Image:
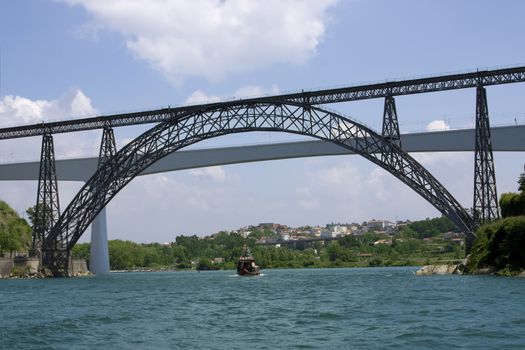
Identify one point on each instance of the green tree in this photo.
(41, 218)
(499, 245)
(15, 233)
(512, 204)
(521, 183)
(81, 251)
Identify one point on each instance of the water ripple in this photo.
(374, 308)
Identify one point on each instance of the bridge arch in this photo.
(198, 125)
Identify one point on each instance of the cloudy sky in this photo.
(76, 58)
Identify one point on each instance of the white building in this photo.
(339, 230)
(328, 234)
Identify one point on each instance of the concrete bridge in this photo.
(504, 139)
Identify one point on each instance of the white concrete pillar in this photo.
(99, 260)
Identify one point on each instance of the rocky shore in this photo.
(28, 268)
(458, 269)
(428, 270)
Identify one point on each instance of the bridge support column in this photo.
(99, 253)
(485, 208)
(47, 208)
(391, 133)
(390, 123)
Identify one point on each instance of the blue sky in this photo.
(64, 59)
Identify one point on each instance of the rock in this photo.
(439, 270)
(484, 271)
(522, 275)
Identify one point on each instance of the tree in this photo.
(44, 213)
(15, 233)
(499, 245)
(521, 182)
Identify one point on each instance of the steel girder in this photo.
(414, 86)
(485, 194)
(344, 94)
(180, 132)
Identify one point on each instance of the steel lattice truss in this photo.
(182, 131)
(345, 94)
(485, 194)
(108, 147)
(390, 123)
(47, 208)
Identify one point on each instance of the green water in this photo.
(371, 308)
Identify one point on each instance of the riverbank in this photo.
(29, 268)
(461, 269)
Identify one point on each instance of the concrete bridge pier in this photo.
(99, 260)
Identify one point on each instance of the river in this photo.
(369, 308)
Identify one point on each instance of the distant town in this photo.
(278, 234)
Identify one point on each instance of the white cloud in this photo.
(214, 173)
(200, 97)
(175, 203)
(437, 125)
(80, 104)
(344, 179)
(18, 110)
(255, 91)
(430, 159)
(306, 199)
(212, 38)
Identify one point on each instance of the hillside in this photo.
(15, 232)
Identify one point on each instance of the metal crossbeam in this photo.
(191, 128)
(345, 94)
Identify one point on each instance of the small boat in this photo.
(246, 264)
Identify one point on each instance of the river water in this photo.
(371, 308)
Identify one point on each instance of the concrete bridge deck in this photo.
(506, 138)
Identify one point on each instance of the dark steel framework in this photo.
(390, 123)
(182, 131)
(391, 130)
(485, 207)
(47, 208)
(294, 113)
(345, 94)
(108, 147)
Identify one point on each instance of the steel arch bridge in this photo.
(213, 121)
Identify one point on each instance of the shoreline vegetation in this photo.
(221, 251)
(499, 247)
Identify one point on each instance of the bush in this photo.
(500, 245)
(512, 204)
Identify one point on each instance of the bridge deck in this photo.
(508, 139)
(344, 94)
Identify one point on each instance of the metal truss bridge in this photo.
(56, 233)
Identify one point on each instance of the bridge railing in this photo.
(345, 94)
